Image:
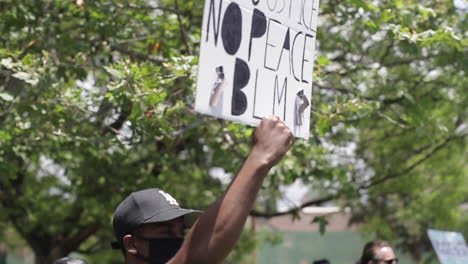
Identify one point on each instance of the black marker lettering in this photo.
(290, 6)
(276, 7)
(267, 44)
(303, 56)
(232, 28)
(292, 56)
(212, 11)
(282, 8)
(255, 98)
(300, 12)
(308, 22)
(258, 27)
(303, 14)
(278, 97)
(241, 79)
(269, 6)
(312, 15)
(286, 46)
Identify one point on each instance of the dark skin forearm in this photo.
(220, 227)
(216, 232)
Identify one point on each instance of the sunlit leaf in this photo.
(6, 97)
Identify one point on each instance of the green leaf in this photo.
(7, 63)
(323, 61)
(364, 4)
(116, 86)
(26, 77)
(22, 76)
(398, 3)
(386, 16)
(322, 221)
(4, 135)
(372, 25)
(323, 125)
(117, 74)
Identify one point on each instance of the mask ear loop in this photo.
(138, 255)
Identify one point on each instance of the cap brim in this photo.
(190, 216)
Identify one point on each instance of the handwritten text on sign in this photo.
(256, 59)
(450, 247)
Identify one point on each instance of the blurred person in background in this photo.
(321, 261)
(378, 252)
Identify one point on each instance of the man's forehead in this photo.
(385, 252)
(386, 249)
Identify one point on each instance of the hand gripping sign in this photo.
(256, 60)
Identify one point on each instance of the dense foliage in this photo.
(96, 101)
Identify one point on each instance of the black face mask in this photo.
(161, 250)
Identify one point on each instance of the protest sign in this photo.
(256, 59)
(450, 247)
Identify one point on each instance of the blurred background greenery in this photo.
(96, 101)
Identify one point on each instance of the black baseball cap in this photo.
(145, 207)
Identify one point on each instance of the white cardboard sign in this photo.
(256, 60)
(450, 247)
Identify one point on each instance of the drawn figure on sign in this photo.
(301, 105)
(217, 89)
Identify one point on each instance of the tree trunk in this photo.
(49, 254)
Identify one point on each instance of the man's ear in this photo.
(129, 245)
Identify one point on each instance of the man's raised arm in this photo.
(215, 233)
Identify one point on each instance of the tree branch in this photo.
(356, 93)
(370, 183)
(295, 209)
(96, 247)
(137, 55)
(74, 242)
(182, 28)
(146, 7)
